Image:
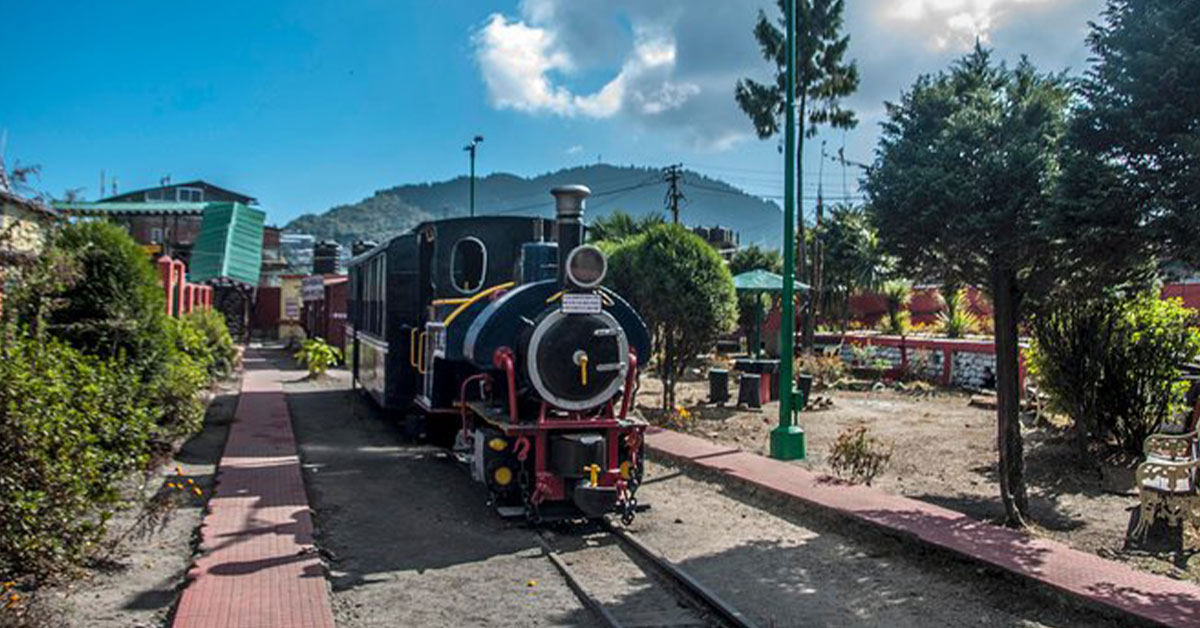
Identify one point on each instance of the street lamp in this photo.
(787, 440)
(470, 148)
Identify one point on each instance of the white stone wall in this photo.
(967, 369)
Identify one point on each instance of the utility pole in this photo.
(787, 440)
(818, 261)
(672, 175)
(470, 148)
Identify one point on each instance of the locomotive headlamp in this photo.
(503, 476)
(586, 266)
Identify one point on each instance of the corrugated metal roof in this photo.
(28, 203)
(120, 209)
(229, 245)
(762, 281)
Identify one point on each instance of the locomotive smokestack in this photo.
(568, 209)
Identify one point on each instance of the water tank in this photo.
(361, 246)
(325, 257)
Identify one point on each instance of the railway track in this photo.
(627, 584)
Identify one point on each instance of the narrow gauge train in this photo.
(499, 328)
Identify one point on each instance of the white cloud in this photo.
(954, 24)
(529, 64)
(518, 60)
(667, 68)
(575, 150)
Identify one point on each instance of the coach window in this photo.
(468, 265)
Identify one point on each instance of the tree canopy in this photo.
(620, 225)
(682, 288)
(1141, 113)
(963, 179)
(823, 75)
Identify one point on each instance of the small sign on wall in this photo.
(313, 288)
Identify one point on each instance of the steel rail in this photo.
(728, 614)
(707, 601)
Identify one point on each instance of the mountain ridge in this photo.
(636, 190)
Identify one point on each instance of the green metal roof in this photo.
(762, 281)
(229, 245)
(125, 209)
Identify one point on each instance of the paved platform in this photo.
(1104, 584)
(258, 567)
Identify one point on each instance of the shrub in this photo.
(683, 289)
(957, 320)
(221, 353)
(318, 356)
(72, 425)
(1112, 365)
(896, 295)
(826, 370)
(859, 457)
(116, 307)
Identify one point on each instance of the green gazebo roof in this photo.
(229, 245)
(759, 280)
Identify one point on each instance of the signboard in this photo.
(312, 288)
(581, 303)
(291, 310)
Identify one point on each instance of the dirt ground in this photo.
(137, 587)
(409, 541)
(945, 453)
(407, 536)
(786, 566)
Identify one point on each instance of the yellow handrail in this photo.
(424, 338)
(477, 297)
(412, 347)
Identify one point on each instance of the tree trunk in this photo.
(668, 370)
(1012, 460)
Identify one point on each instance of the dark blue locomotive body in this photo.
(499, 328)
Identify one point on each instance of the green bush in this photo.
(318, 356)
(175, 387)
(221, 354)
(683, 290)
(896, 295)
(73, 425)
(957, 320)
(859, 457)
(1112, 365)
(116, 306)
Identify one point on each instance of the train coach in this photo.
(497, 329)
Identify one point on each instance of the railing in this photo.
(182, 296)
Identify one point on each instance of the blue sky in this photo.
(310, 104)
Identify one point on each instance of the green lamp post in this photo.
(787, 440)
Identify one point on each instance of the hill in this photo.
(636, 190)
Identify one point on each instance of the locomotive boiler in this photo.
(498, 331)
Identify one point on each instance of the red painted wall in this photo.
(267, 308)
(1189, 292)
(868, 307)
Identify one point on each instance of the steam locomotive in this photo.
(499, 328)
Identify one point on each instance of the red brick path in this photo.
(258, 568)
(1103, 583)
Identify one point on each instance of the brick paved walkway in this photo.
(1101, 583)
(258, 568)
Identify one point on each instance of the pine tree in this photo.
(823, 78)
(1141, 112)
